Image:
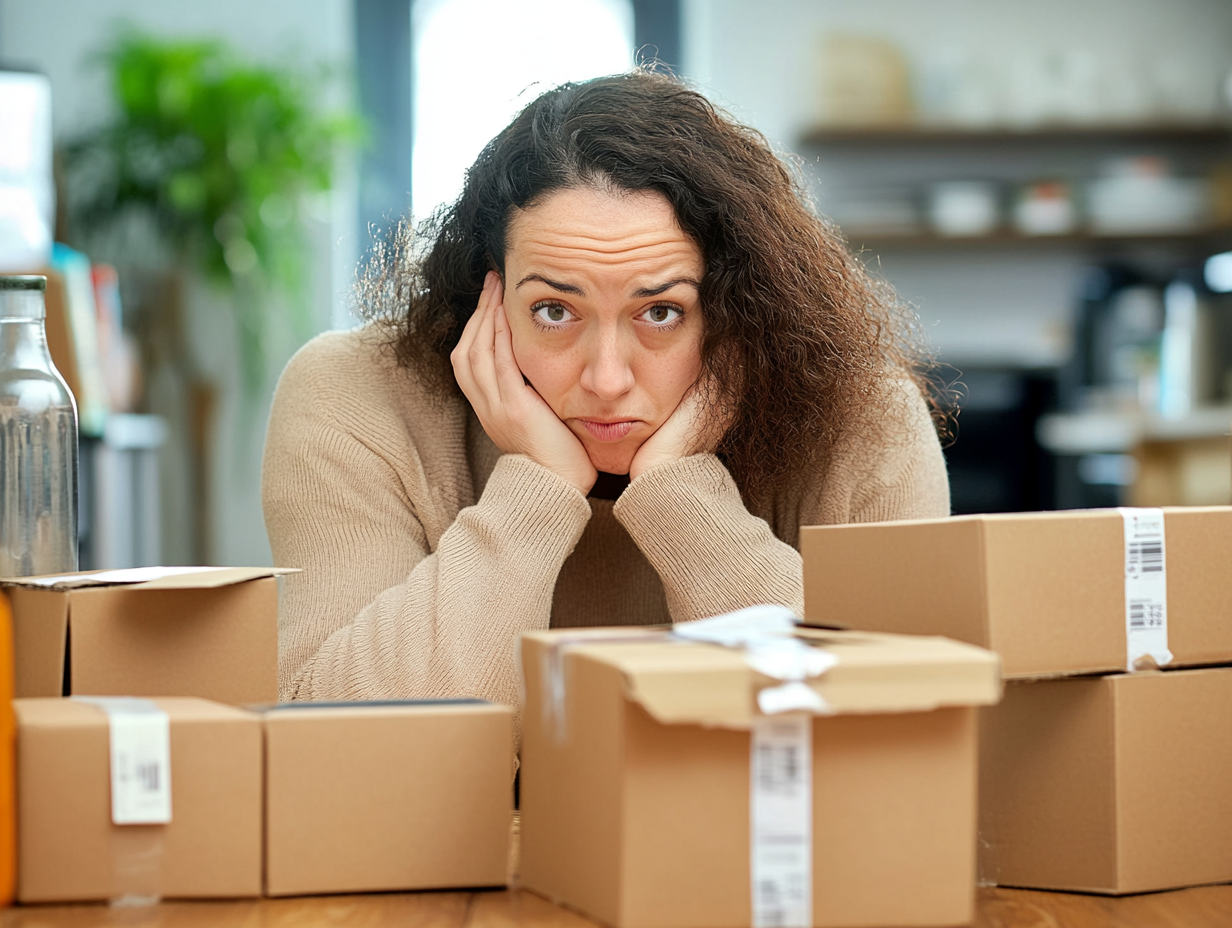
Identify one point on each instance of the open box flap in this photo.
(684, 682)
(164, 578)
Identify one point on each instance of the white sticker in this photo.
(765, 634)
(792, 697)
(120, 576)
(140, 759)
(1146, 587)
(739, 628)
(781, 813)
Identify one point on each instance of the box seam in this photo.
(1115, 797)
(622, 902)
(985, 593)
(265, 806)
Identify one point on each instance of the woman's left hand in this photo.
(695, 427)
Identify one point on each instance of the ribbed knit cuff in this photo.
(530, 510)
(711, 553)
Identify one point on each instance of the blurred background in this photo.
(1049, 186)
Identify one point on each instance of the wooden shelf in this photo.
(1103, 432)
(1052, 134)
(1214, 237)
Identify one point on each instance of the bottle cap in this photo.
(23, 282)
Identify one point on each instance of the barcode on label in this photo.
(777, 900)
(1145, 613)
(778, 768)
(1144, 556)
(149, 777)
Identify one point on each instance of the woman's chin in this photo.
(611, 459)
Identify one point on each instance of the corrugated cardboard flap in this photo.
(150, 578)
(682, 682)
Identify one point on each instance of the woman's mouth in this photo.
(614, 430)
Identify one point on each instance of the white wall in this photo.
(58, 36)
(760, 60)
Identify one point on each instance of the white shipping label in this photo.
(781, 810)
(1146, 587)
(140, 760)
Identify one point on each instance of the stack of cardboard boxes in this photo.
(152, 762)
(665, 781)
(1098, 771)
(732, 773)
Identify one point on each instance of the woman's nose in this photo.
(608, 373)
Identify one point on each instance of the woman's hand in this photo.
(695, 427)
(515, 417)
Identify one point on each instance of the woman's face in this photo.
(601, 292)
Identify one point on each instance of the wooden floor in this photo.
(1204, 907)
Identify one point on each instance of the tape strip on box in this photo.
(140, 747)
(781, 820)
(780, 757)
(1146, 588)
(554, 671)
(780, 746)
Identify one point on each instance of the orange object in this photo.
(8, 744)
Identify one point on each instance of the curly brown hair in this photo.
(797, 335)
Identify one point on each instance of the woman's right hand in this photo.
(515, 417)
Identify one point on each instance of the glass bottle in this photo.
(38, 441)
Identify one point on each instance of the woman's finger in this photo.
(482, 363)
(508, 375)
(472, 324)
(459, 355)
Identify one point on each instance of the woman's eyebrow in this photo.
(554, 284)
(664, 287)
(637, 294)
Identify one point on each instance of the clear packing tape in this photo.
(139, 733)
(554, 670)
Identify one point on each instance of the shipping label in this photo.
(140, 759)
(781, 809)
(1146, 587)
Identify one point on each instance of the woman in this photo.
(623, 370)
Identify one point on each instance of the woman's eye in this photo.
(552, 313)
(662, 315)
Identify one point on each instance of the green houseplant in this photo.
(214, 157)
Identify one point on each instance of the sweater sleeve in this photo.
(379, 611)
(714, 556)
(711, 553)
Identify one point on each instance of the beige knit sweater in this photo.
(426, 552)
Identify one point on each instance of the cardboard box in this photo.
(70, 850)
(1046, 591)
(636, 805)
(364, 797)
(1115, 784)
(211, 633)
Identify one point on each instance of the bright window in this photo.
(477, 62)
